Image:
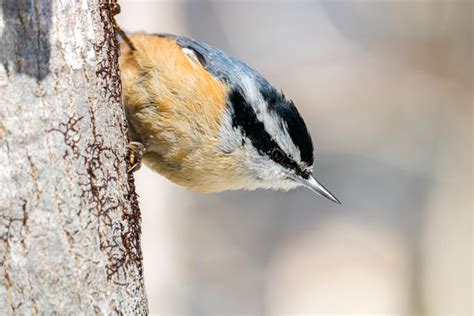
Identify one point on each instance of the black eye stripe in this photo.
(277, 154)
(297, 130)
(243, 116)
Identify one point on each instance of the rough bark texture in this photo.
(69, 219)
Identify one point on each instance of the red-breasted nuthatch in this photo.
(211, 123)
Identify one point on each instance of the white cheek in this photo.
(268, 174)
(260, 166)
(286, 185)
(262, 172)
(263, 167)
(231, 138)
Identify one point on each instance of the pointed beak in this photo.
(312, 184)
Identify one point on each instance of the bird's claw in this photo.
(135, 151)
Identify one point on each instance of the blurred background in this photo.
(386, 89)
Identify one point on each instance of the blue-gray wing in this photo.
(227, 69)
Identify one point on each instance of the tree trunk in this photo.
(69, 218)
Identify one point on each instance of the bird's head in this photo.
(271, 137)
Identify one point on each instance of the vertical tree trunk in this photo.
(69, 219)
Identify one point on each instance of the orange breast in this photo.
(164, 75)
(175, 107)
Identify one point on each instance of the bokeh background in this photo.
(386, 89)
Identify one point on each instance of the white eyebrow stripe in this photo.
(274, 125)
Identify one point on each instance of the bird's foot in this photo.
(135, 151)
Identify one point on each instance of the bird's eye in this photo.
(277, 155)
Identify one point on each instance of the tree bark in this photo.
(69, 218)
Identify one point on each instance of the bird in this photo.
(209, 122)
